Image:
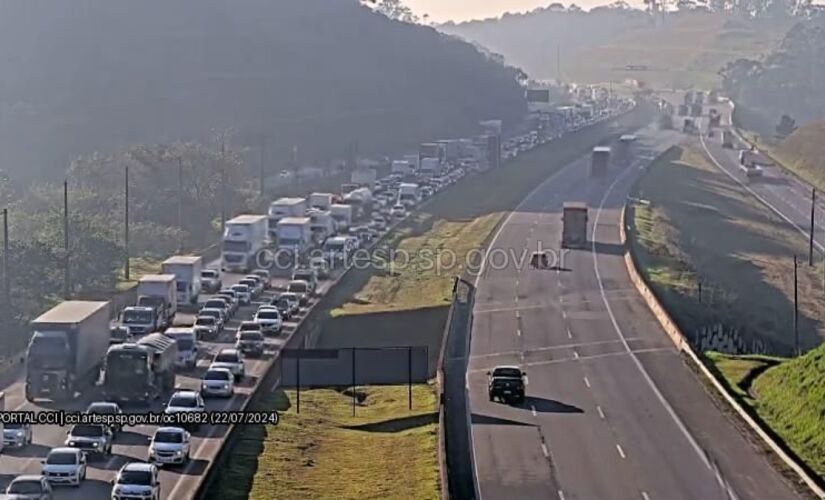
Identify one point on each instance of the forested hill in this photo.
(89, 75)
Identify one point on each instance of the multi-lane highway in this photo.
(132, 443)
(611, 410)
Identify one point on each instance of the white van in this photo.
(187, 342)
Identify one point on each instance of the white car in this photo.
(250, 342)
(379, 222)
(232, 360)
(94, 438)
(244, 293)
(17, 435)
(398, 211)
(136, 480)
(218, 381)
(29, 487)
(270, 320)
(169, 445)
(321, 267)
(185, 401)
(64, 466)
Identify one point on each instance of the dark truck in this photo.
(142, 371)
(66, 350)
(507, 384)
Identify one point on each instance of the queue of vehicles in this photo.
(74, 346)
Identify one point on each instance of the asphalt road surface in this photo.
(612, 412)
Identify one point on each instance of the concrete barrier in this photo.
(681, 343)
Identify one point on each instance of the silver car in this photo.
(64, 466)
(170, 445)
(218, 381)
(17, 435)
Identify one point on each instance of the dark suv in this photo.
(507, 384)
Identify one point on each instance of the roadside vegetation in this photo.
(384, 451)
(699, 226)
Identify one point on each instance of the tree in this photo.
(786, 127)
(394, 9)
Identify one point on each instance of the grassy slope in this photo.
(802, 153)
(459, 220)
(688, 50)
(700, 225)
(385, 451)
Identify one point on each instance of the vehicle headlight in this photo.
(178, 453)
(94, 445)
(19, 434)
(226, 385)
(72, 443)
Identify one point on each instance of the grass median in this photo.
(384, 451)
(699, 226)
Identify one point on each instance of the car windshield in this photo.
(269, 315)
(250, 326)
(217, 375)
(226, 357)
(215, 304)
(211, 312)
(209, 274)
(205, 321)
(251, 336)
(183, 401)
(507, 372)
(241, 288)
(14, 425)
(184, 343)
(61, 458)
(137, 477)
(133, 316)
(83, 430)
(168, 437)
(26, 487)
(249, 283)
(298, 287)
(289, 297)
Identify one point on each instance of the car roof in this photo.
(28, 477)
(507, 367)
(218, 368)
(138, 467)
(66, 449)
(185, 392)
(170, 429)
(102, 403)
(239, 285)
(228, 351)
(210, 309)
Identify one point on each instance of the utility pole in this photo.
(811, 238)
(126, 266)
(67, 284)
(795, 309)
(558, 63)
(180, 203)
(223, 184)
(6, 268)
(263, 157)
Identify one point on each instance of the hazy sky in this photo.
(461, 10)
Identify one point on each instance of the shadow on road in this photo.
(543, 405)
(609, 248)
(129, 438)
(31, 451)
(397, 424)
(490, 420)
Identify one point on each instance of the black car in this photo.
(506, 383)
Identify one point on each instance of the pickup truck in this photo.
(506, 383)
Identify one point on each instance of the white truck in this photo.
(364, 177)
(295, 234)
(285, 207)
(412, 160)
(360, 200)
(323, 225)
(321, 201)
(159, 291)
(342, 215)
(243, 237)
(430, 167)
(187, 271)
(408, 194)
(401, 167)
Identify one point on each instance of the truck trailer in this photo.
(284, 207)
(321, 201)
(600, 161)
(574, 225)
(322, 226)
(408, 194)
(159, 291)
(243, 237)
(295, 234)
(187, 271)
(364, 177)
(66, 350)
(141, 371)
(342, 215)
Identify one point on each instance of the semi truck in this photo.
(159, 291)
(284, 207)
(401, 167)
(141, 371)
(342, 215)
(408, 194)
(574, 225)
(599, 161)
(67, 349)
(187, 271)
(322, 225)
(431, 150)
(360, 200)
(243, 237)
(295, 234)
(430, 167)
(321, 201)
(364, 177)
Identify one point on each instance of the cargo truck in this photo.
(599, 161)
(141, 320)
(322, 226)
(413, 160)
(159, 291)
(574, 225)
(284, 207)
(243, 238)
(364, 177)
(430, 167)
(295, 234)
(683, 110)
(401, 167)
(360, 200)
(187, 271)
(431, 150)
(321, 201)
(408, 194)
(141, 371)
(342, 215)
(67, 349)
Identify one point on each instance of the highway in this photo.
(612, 411)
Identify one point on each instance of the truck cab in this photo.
(140, 320)
(507, 384)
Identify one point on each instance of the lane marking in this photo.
(518, 314)
(586, 382)
(561, 495)
(533, 409)
(576, 354)
(620, 450)
(601, 412)
(582, 358)
(685, 432)
(569, 333)
(645, 496)
(518, 332)
(544, 450)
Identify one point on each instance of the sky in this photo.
(462, 10)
